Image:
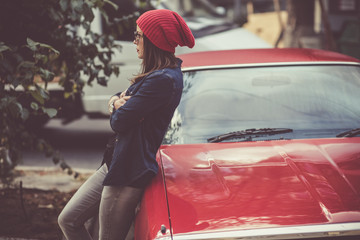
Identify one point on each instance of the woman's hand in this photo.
(123, 94)
(121, 101)
(111, 103)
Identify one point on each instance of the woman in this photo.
(139, 117)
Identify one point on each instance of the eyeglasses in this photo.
(137, 36)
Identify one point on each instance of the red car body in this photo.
(259, 189)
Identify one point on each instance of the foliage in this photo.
(39, 46)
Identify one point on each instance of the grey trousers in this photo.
(115, 205)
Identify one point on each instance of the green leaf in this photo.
(64, 166)
(107, 70)
(16, 82)
(102, 42)
(55, 14)
(15, 109)
(41, 57)
(56, 160)
(86, 26)
(31, 44)
(116, 70)
(34, 46)
(3, 47)
(29, 75)
(57, 157)
(34, 106)
(26, 64)
(51, 112)
(37, 96)
(76, 5)
(50, 48)
(105, 16)
(5, 101)
(112, 4)
(67, 95)
(46, 75)
(24, 114)
(102, 81)
(64, 4)
(88, 13)
(44, 94)
(98, 3)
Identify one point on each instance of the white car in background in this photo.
(211, 33)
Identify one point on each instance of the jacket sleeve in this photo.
(155, 92)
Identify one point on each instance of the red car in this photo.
(265, 144)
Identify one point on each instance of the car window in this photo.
(315, 101)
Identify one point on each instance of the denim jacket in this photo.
(140, 125)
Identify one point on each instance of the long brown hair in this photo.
(154, 58)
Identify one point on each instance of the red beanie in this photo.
(165, 29)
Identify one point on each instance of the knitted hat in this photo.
(165, 29)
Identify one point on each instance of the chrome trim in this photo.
(186, 69)
(296, 232)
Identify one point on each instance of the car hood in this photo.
(252, 185)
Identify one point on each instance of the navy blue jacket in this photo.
(140, 125)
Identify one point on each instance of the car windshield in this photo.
(314, 101)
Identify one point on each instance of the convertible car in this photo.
(265, 144)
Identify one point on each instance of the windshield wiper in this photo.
(350, 133)
(249, 134)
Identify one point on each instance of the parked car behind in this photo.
(264, 145)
